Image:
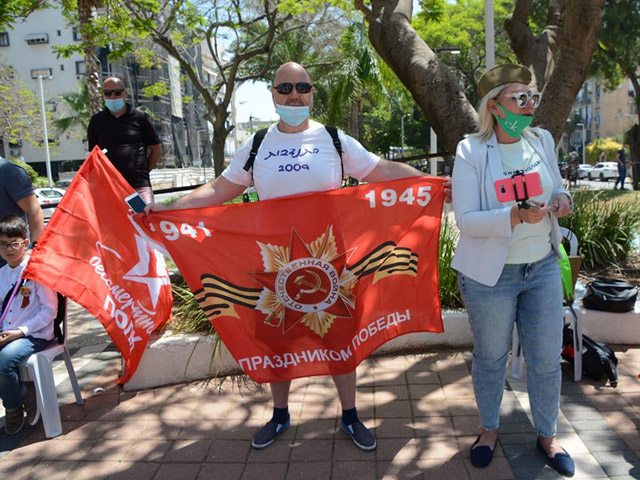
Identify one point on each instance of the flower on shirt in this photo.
(25, 292)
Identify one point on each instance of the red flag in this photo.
(311, 285)
(93, 252)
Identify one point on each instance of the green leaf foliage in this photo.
(618, 43)
(606, 223)
(75, 111)
(461, 25)
(20, 113)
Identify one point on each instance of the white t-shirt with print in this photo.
(293, 163)
(529, 242)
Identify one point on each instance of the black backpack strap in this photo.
(255, 146)
(333, 131)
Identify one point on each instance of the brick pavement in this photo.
(421, 407)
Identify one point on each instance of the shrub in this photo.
(605, 223)
(609, 146)
(187, 316)
(449, 294)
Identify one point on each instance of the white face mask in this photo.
(291, 115)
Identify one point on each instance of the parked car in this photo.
(47, 196)
(603, 171)
(63, 183)
(584, 169)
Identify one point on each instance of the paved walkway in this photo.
(421, 407)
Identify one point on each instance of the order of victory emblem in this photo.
(309, 284)
(305, 283)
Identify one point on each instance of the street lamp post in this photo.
(489, 42)
(583, 155)
(44, 129)
(433, 148)
(433, 141)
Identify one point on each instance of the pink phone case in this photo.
(510, 189)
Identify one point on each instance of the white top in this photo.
(36, 318)
(293, 163)
(484, 222)
(529, 242)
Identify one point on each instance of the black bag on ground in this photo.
(610, 295)
(598, 359)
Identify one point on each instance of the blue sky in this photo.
(254, 98)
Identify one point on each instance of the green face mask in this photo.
(513, 124)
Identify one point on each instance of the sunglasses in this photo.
(522, 98)
(12, 245)
(115, 93)
(287, 88)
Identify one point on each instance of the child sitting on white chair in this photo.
(26, 323)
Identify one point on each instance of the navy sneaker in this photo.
(13, 420)
(267, 434)
(561, 462)
(361, 435)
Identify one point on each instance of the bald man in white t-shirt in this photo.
(297, 156)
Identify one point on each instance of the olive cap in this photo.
(501, 75)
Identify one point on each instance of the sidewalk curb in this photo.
(171, 359)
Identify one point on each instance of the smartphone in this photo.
(136, 202)
(518, 188)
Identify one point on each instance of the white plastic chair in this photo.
(38, 369)
(571, 315)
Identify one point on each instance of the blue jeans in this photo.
(622, 175)
(531, 295)
(11, 391)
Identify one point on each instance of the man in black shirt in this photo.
(126, 133)
(621, 158)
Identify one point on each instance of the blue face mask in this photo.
(114, 104)
(291, 115)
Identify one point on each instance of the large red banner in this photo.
(95, 253)
(311, 285)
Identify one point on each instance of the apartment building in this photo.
(600, 114)
(185, 135)
(28, 47)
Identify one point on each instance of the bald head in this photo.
(112, 82)
(291, 70)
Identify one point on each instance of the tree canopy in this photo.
(20, 113)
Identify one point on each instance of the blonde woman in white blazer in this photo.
(506, 257)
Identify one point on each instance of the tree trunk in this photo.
(437, 92)
(430, 82)
(575, 30)
(220, 133)
(92, 69)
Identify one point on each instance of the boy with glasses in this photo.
(26, 323)
(128, 135)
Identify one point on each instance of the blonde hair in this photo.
(486, 122)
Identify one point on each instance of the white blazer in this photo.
(484, 222)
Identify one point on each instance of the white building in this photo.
(28, 47)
